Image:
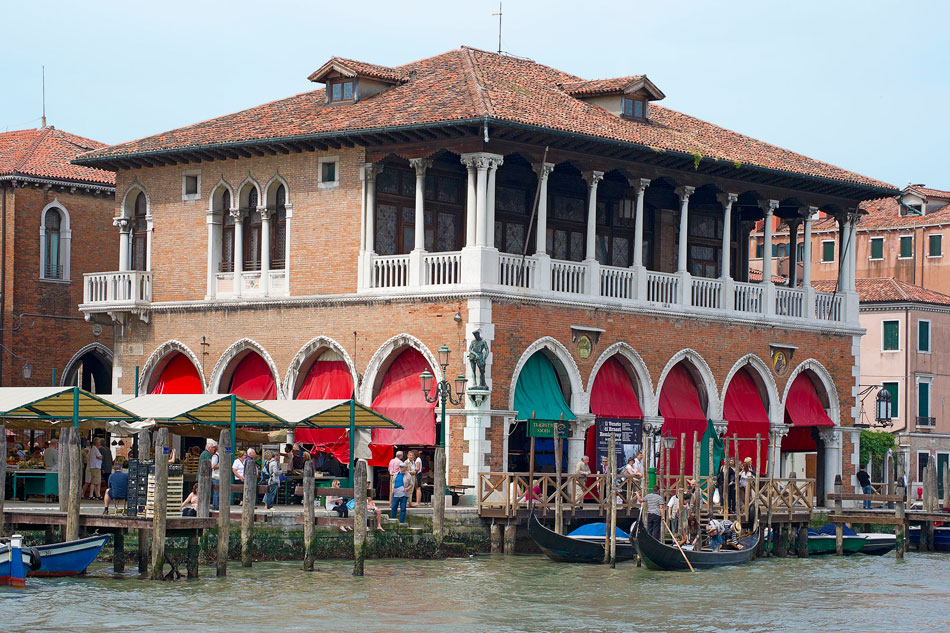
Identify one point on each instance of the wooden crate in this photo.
(173, 500)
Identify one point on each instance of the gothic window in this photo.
(278, 229)
(252, 233)
(53, 251)
(138, 235)
(444, 215)
(227, 233)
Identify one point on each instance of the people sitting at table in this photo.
(189, 507)
(118, 486)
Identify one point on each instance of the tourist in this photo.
(690, 536)
(206, 453)
(720, 530)
(534, 494)
(372, 509)
(638, 465)
(415, 469)
(338, 504)
(402, 490)
(864, 480)
(298, 457)
(746, 480)
(603, 466)
(212, 450)
(93, 484)
(118, 486)
(272, 472)
(393, 469)
(51, 455)
(673, 510)
(731, 483)
(629, 471)
(655, 515)
(192, 460)
(191, 501)
(581, 472)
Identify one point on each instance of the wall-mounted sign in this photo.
(629, 442)
(781, 357)
(547, 428)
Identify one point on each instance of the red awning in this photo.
(682, 413)
(799, 440)
(803, 406)
(400, 398)
(252, 379)
(745, 412)
(612, 395)
(179, 376)
(327, 379)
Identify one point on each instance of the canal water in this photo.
(495, 593)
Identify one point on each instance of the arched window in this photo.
(53, 255)
(138, 236)
(252, 233)
(278, 230)
(227, 233)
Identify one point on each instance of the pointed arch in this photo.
(555, 350)
(306, 356)
(214, 206)
(762, 375)
(644, 383)
(157, 360)
(226, 365)
(97, 375)
(706, 383)
(383, 357)
(244, 189)
(127, 209)
(815, 370)
(270, 189)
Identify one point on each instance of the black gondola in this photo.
(657, 555)
(568, 549)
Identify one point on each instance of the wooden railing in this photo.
(509, 492)
(786, 496)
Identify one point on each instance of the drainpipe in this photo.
(3, 267)
(906, 371)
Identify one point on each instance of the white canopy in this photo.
(47, 404)
(327, 414)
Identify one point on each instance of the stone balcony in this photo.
(115, 293)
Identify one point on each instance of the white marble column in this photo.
(592, 178)
(123, 224)
(852, 254)
(288, 219)
(682, 252)
(727, 200)
(470, 200)
(420, 165)
(641, 186)
(543, 170)
(238, 276)
(214, 220)
(493, 164)
(370, 171)
(481, 201)
(769, 207)
(265, 249)
(806, 250)
(776, 433)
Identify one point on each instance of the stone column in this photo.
(214, 222)
(768, 206)
(265, 249)
(470, 200)
(852, 254)
(793, 253)
(238, 216)
(806, 253)
(123, 224)
(641, 186)
(288, 218)
(543, 170)
(592, 178)
(420, 165)
(727, 200)
(493, 164)
(149, 229)
(481, 200)
(831, 438)
(682, 252)
(370, 171)
(776, 433)
(576, 442)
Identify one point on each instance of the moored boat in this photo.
(941, 537)
(16, 561)
(657, 555)
(878, 544)
(583, 545)
(69, 558)
(820, 542)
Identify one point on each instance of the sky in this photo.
(864, 85)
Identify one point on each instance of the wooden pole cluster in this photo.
(511, 538)
(359, 523)
(610, 542)
(438, 499)
(496, 538)
(682, 482)
(308, 518)
(725, 480)
(710, 479)
(144, 452)
(204, 489)
(558, 516)
(159, 504)
(118, 551)
(75, 486)
(224, 502)
(3, 471)
(839, 527)
(247, 514)
(62, 467)
(946, 484)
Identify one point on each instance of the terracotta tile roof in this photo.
(756, 275)
(469, 84)
(880, 214)
(588, 88)
(46, 153)
(353, 68)
(930, 192)
(887, 290)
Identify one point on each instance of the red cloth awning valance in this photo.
(682, 413)
(803, 406)
(400, 398)
(252, 379)
(327, 380)
(799, 440)
(745, 412)
(613, 395)
(179, 376)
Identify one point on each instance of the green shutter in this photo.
(923, 336)
(827, 251)
(923, 399)
(907, 246)
(936, 246)
(891, 335)
(891, 388)
(758, 251)
(877, 248)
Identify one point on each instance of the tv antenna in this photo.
(499, 27)
(44, 97)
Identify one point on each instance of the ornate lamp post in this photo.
(882, 408)
(443, 392)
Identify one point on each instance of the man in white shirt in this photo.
(51, 455)
(212, 448)
(394, 465)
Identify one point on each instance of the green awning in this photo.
(718, 451)
(538, 393)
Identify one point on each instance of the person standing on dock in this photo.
(211, 448)
(393, 469)
(272, 471)
(51, 455)
(864, 480)
(655, 511)
(402, 489)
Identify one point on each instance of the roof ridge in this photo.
(28, 153)
(899, 288)
(478, 89)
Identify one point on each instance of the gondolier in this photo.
(655, 511)
(719, 530)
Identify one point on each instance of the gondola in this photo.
(662, 557)
(576, 549)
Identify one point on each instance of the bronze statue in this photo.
(477, 356)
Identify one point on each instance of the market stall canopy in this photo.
(42, 408)
(327, 414)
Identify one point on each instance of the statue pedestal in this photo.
(478, 395)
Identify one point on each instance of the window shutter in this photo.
(891, 388)
(877, 248)
(891, 335)
(923, 336)
(923, 399)
(907, 246)
(936, 246)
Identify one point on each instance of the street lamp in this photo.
(443, 391)
(882, 407)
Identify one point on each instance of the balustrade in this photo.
(442, 268)
(117, 288)
(568, 277)
(748, 298)
(707, 293)
(391, 271)
(517, 271)
(789, 302)
(662, 287)
(617, 283)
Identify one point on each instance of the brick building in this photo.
(56, 226)
(331, 242)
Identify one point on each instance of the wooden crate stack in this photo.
(173, 501)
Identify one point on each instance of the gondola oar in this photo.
(677, 543)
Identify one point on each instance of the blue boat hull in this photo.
(70, 558)
(941, 538)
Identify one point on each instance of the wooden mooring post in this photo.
(558, 510)
(780, 541)
(308, 519)
(224, 502)
(247, 514)
(438, 499)
(75, 486)
(511, 537)
(359, 522)
(144, 452)
(610, 491)
(839, 527)
(118, 551)
(159, 504)
(496, 538)
(62, 468)
(801, 543)
(204, 489)
(900, 530)
(945, 476)
(3, 471)
(191, 554)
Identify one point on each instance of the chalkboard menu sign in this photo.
(629, 434)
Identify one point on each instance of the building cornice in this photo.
(19, 180)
